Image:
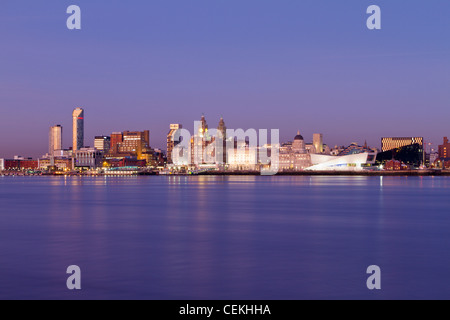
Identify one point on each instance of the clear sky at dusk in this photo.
(308, 65)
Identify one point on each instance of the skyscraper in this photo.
(55, 139)
(78, 129)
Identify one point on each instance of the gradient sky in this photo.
(308, 65)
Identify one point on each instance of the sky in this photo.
(308, 65)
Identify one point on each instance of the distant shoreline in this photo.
(341, 173)
(403, 173)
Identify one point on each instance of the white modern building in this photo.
(352, 162)
(2, 164)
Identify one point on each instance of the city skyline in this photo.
(312, 67)
(77, 137)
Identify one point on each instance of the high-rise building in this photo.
(396, 142)
(55, 139)
(170, 142)
(444, 149)
(318, 142)
(102, 143)
(78, 129)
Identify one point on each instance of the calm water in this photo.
(224, 237)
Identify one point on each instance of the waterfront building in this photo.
(170, 142)
(131, 144)
(354, 148)
(199, 142)
(412, 155)
(78, 129)
(398, 142)
(89, 158)
(242, 157)
(102, 143)
(61, 164)
(395, 165)
(125, 162)
(295, 156)
(20, 164)
(55, 139)
(351, 158)
(2, 164)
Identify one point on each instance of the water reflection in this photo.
(224, 237)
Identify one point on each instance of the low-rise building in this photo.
(21, 164)
(60, 164)
(243, 157)
(89, 158)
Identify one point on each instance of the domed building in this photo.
(294, 156)
(298, 145)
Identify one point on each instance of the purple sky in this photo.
(295, 65)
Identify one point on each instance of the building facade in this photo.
(243, 157)
(59, 164)
(170, 141)
(55, 139)
(318, 143)
(131, 144)
(444, 149)
(102, 143)
(294, 156)
(78, 129)
(398, 142)
(88, 158)
(21, 164)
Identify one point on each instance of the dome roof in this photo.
(298, 136)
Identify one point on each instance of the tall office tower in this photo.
(78, 129)
(102, 143)
(170, 143)
(318, 142)
(55, 139)
(395, 142)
